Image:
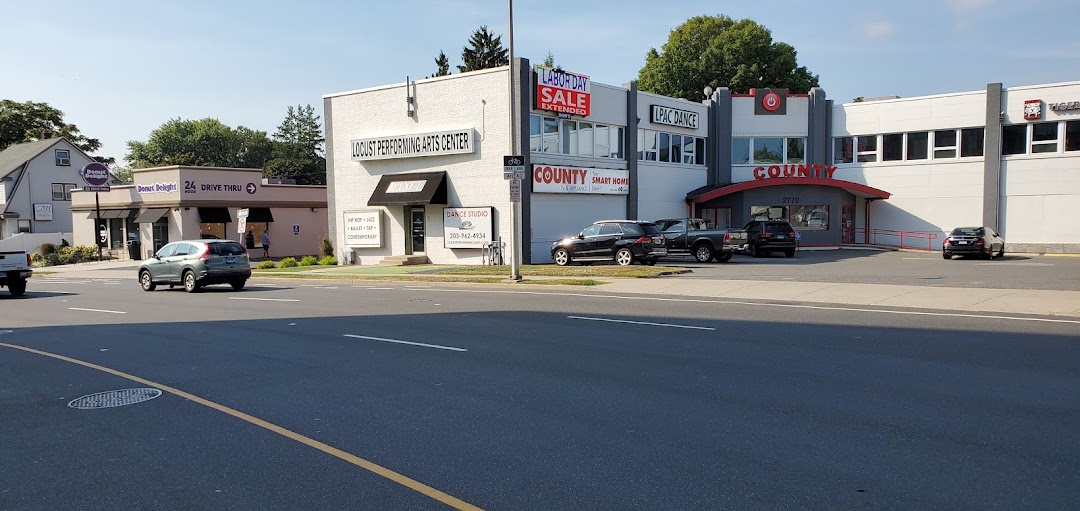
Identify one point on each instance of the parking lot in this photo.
(857, 266)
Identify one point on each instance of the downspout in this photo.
(866, 229)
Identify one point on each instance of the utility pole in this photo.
(515, 206)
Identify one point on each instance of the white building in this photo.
(36, 180)
(404, 160)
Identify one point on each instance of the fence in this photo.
(914, 240)
(30, 242)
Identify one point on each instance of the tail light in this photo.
(206, 252)
(792, 234)
(767, 233)
(29, 260)
(643, 240)
(727, 237)
(980, 241)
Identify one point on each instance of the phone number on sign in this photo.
(468, 236)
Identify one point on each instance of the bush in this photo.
(308, 261)
(37, 258)
(265, 265)
(86, 253)
(47, 248)
(288, 262)
(66, 255)
(328, 261)
(326, 248)
(52, 259)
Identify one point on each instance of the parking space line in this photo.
(410, 343)
(95, 310)
(375, 468)
(263, 299)
(646, 323)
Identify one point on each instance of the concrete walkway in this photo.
(976, 300)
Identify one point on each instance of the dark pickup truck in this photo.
(690, 236)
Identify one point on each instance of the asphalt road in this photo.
(850, 266)
(527, 400)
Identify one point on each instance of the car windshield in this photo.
(226, 249)
(966, 231)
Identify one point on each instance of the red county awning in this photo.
(859, 190)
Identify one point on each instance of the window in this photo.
(1044, 137)
(867, 148)
(918, 145)
(740, 151)
(1014, 139)
(971, 142)
(617, 148)
(688, 147)
(699, 149)
(768, 212)
(768, 150)
(716, 218)
(843, 150)
(569, 137)
(551, 135)
(591, 230)
(650, 145)
(609, 229)
(945, 144)
(892, 147)
(585, 139)
(62, 191)
(809, 218)
(603, 141)
(24, 225)
(1072, 136)
(796, 150)
(166, 251)
(676, 148)
(536, 134)
(63, 158)
(665, 147)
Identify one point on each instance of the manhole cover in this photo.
(113, 398)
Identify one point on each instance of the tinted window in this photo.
(971, 142)
(226, 249)
(778, 226)
(917, 145)
(1072, 136)
(591, 230)
(966, 231)
(892, 147)
(673, 226)
(1014, 139)
(649, 229)
(609, 229)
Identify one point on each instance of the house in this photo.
(36, 180)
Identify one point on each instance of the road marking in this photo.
(96, 310)
(918, 259)
(780, 305)
(1011, 263)
(417, 287)
(406, 342)
(642, 323)
(310, 442)
(264, 299)
(379, 288)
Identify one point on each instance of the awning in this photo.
(214, 216)
(259, 215)
(111, 213)
(149, 216)
(707, 193)
(409, 189)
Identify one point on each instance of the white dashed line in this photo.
(395, 341)
(264, 299)
(647, 323)
(96, 310)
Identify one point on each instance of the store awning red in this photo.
(859, 190)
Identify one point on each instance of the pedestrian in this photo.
(266, 243)
(250, 241)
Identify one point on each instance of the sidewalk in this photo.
(978, 300)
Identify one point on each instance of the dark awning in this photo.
(149, 216)
(259, 215)
(111, 213)
(408, 189)
(214, 216)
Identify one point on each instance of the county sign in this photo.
(96, 176)
(563, 92)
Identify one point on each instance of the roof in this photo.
(17, 154)
(707, 193)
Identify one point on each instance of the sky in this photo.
(119, 69)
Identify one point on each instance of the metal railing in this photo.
(913, 240)
(493, 253)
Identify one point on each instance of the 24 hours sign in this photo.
(467, 227)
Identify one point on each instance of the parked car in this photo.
(980, 241)
(767, 236)
(195, 264)
(15, 269)
(691, 236)
(622, 241)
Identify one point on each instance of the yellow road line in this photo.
(410, 483)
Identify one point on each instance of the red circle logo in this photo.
(771, 101)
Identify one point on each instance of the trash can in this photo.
(134, 250)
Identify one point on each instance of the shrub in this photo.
(328, 261)
(52, 259)
(288, 262)
(326, 248)
(86, 253)
(37, 258)
(308, 261)
(265, 265)
(66, 255)
(47, 248)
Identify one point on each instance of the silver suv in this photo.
(196, 263)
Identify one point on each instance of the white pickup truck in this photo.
(14, 271)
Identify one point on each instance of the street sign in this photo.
(242, 213)
(515, 190)
(514, 175)
(241, 223)
(96, 176)
(514, 163)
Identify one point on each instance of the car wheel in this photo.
(562, 257)
(17, 287)
(190, 285)
(238, 284)
(755, 251)
(946, 255)
(146, 281)
(703, 253)
(723, 257)
(1001, 253)
(789, 253)
(989, 254)
(624, 257)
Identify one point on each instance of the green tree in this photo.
(443, 63)
(716, 51)
(549, 61)
(203, 142)
(122, 174)
(30, 121)
(485, 51)
(298, 148)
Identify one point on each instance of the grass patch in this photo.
(548, 270)
(393, 270)
(39, 272)
(565, 282)
(398, 278)
(292, 269)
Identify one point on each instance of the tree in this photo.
(443, 63)
(122, 174)
(716, 51)
(30, 121)
(298, 148)
(485, 51)
(204, 142)
(549, 61)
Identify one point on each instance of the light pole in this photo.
(515, 206)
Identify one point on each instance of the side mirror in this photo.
(580, 236)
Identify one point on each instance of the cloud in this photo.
(966, 10)
(879, 29)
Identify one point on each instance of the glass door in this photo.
(416, 229)
(847, 219)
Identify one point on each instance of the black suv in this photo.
(622, 241)
(767, 236)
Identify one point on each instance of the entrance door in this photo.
(847, 221)
(160, 233)
(416, 230)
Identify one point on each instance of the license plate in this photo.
(961, 243)
(779, 237)
(230, 260)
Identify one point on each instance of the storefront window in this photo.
(665, 147)
(843, 150)
(569, 137)
(585, 139)
(768, 212)
(602, 141)
(796, 150)
(1044, 137)
(1072, 136)
(918, 145)
(867, 148)
(768, 150)
(212, 231)
(536, 133)
(971, 142)
(650, 145)
(116, 233)
(551, 135)
(809, 218)
(740, 151)
(1014, 139)
(617, 141)
(676, 149)
(716, 218)
(892, 147)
